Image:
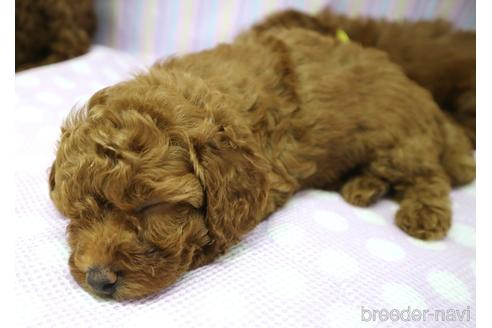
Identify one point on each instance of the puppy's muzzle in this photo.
(102, 280)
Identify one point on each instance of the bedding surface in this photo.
(318, 262)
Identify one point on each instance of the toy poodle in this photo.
(163, 173)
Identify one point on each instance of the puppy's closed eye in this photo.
(148, 206)
(158, 206)
(102, 202)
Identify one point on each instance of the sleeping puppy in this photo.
(163, 173)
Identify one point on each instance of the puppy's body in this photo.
(434, 54)
(164, 172)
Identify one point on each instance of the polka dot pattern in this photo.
(287, 235)
(27, 81)
(463, 234)
(330, 221)
(285, 282)
(81, 67)
(63, 83)
(313, 263)
(447, 285)
(344, 315)
(400, 296)
(369, 216)
(384, 249)
(29, 114)
(338, 264)
(433, 245)
(48, 98)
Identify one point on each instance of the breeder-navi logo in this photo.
(409, 314)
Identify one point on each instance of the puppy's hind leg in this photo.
(457, 157)
(363, 189)
(416, 175)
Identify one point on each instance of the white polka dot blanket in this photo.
(318, 262)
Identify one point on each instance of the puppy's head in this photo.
(125, 179)
(147, 180)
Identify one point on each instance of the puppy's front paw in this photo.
(423, 221)
(363, 190)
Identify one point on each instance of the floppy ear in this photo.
(234, 176)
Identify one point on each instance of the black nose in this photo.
(102, 280)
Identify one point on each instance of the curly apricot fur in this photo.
(163, 173)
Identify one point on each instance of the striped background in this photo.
(158, 28)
